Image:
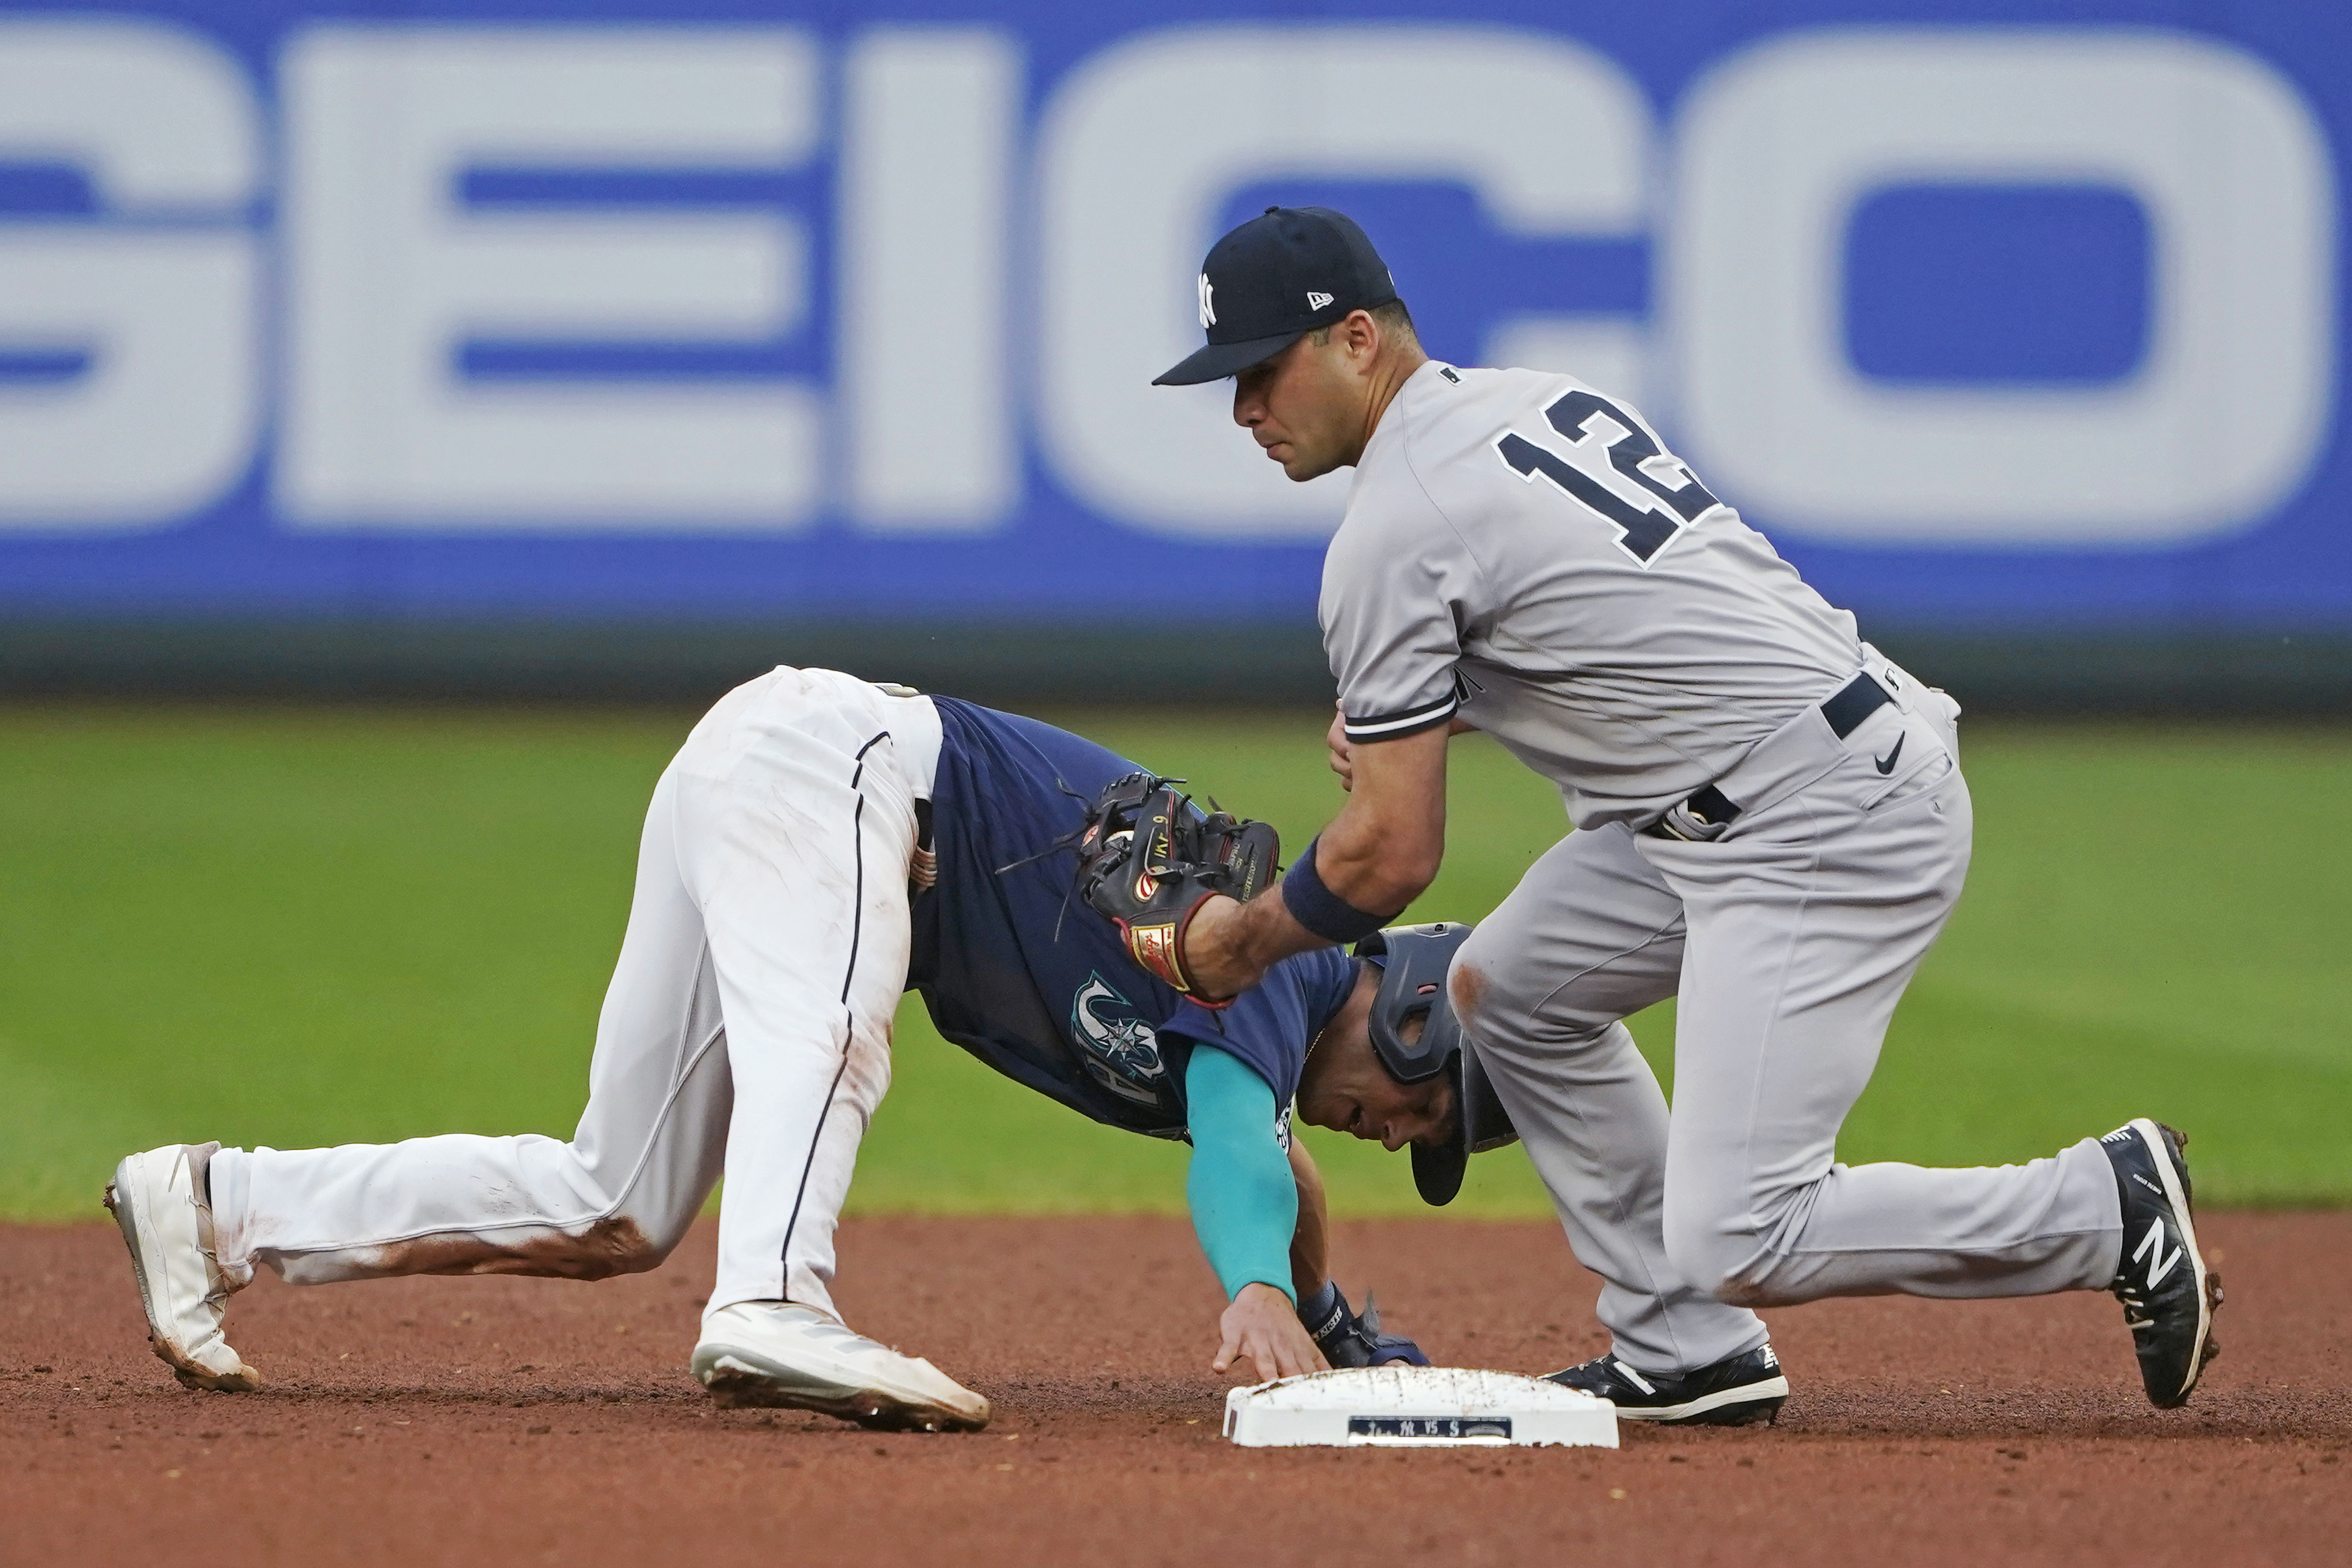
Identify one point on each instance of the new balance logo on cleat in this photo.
(2160, 1264)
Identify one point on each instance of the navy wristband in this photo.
(1326, 1311)
(1320, 909)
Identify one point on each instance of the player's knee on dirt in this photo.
(652, 1221)
(641, 1243)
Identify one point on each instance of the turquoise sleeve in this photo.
(1245, 1200)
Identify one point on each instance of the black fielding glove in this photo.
(1346, 1340)
(1148, 860)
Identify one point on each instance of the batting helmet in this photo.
(1413, 961)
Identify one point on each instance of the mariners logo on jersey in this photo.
(1123, 1051)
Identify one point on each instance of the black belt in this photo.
(1856, 701)
(1862, 697)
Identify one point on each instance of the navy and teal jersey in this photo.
(1019, 972)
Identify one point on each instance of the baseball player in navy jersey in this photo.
(1769, 822)
(819, 844)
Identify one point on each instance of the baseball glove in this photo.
(1149, 858)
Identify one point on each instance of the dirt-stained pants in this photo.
(747, 1027)
(1790, 940)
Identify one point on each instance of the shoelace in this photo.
(2137, 1315)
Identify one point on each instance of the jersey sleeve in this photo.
(1243, 1199)
(1399, 585)
(1270, 1025)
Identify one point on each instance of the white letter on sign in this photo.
(389, 275)
(929, 121)
(1779, 148)
(1142, 145)
(159, 295)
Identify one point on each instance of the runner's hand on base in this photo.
(1263, 1325)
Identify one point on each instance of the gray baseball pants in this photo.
(1789, 941)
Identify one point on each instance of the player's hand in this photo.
(1343, 753)
(1263, 1325)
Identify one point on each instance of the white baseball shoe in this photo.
(159, 1199)
(779, 1354)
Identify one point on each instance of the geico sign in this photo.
(381, 270)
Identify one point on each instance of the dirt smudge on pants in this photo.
(610, 1246)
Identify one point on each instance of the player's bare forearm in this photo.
(1262, 1327)
(1376, 856)
(1310, 1254)
(1385, 845)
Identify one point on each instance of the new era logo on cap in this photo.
(1255, 278)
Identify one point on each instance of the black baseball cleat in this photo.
(1728, 1393)
(2169, 1297)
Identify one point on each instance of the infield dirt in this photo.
(527, 1421)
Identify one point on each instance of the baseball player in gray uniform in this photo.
(1771, 822)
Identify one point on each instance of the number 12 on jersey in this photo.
(1643, 529)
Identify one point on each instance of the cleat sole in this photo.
(736, 1383)
(869, 1408)
(1727, 1408)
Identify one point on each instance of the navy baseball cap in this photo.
(1277, 278)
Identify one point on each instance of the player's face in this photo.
(1305, 406)
(1347, 1090)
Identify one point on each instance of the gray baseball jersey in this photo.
(1524, 549)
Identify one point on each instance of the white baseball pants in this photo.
(1790, 940)
(747, 1025)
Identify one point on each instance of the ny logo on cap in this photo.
(1208, 311)
(1316, 301)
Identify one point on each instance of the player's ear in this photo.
(1347, 333)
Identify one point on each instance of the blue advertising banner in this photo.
(1988, 313)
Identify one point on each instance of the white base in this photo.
(1417, 1407)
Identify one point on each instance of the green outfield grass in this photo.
(296, 927)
